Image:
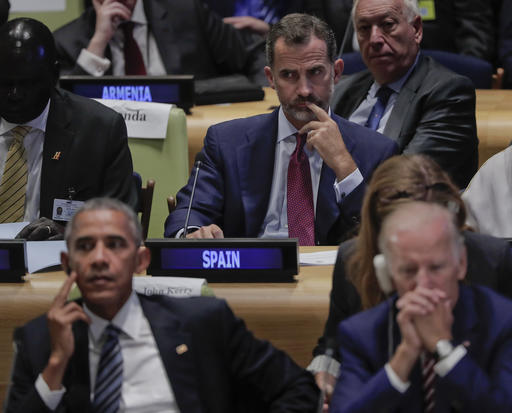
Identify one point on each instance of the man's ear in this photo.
(269, 76)
(143, 259)
(463, 263)
(417, 25)
(338, 70)
(64, 260)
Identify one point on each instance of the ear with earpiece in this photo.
(382, 274)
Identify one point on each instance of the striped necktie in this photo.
(109, 379)
(14, 179)
(429, 376)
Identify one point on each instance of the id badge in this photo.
(427, 10)
(64, 209)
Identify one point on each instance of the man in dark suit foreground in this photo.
(171, 355)
(245, 187)
(439, 345)
(74, 148)
(425, 107)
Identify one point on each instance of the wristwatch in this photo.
(443, 349)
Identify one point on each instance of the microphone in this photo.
(329, 353)
(198, 162)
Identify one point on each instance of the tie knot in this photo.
(127, 28)
(111, 331)
(301, 141)
(383, 94)
(19, 132)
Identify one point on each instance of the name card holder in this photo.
(225, 260)
(12, 261)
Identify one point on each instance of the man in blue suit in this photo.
(186, 355)
(448, 346)
(243, 189)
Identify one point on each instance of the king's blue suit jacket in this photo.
(480, 382)
(224, 369)
(234, 183)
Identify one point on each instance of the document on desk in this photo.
(11, 229)
(44, 255)
(318, 258)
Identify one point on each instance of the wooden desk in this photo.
(493, 117)
(291, 316)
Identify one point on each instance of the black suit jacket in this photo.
(93, 155)
(505, 41)
(190, 39)
(434, 114)
(489, 264)
(225, 369)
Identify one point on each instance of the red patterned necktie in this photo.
(133, 61)
(429, 376)
(300, 209)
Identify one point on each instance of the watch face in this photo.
(443, 348)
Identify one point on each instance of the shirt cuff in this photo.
(93, 64)
(347, 185)
(444, 366)
(396, 381)
(324, 363)
(51, 398)
(178, 234)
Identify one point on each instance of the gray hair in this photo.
(98, 204)
(420, 212)
(410, 10)
(296, 29)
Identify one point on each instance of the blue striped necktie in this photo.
(378, 109)
(109, 379)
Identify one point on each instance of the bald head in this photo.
(28, 79)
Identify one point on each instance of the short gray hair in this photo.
(296, 29)
(98, 204)
(420, 212)
(410, 10)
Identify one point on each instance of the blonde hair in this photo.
(397, 180)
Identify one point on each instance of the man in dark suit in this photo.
(169, 36)
(4, 10)
(426, 108)
(505, 42)
(75, 148)
(448, 347)
(171, 354)
(244, 187)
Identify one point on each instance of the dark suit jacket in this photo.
(94, 156)
(233, 188)
(434, 114)
(489, 264)
(505, 41)
(224, 368)
(190, 39)
(480, 382)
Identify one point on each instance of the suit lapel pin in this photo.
(56, 156)
(182, 348)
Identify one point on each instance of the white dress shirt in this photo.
(361, 114)
(33, 143)
(97, 66)
(275, 224)
(146, 386)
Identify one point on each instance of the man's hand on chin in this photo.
(42, 229)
